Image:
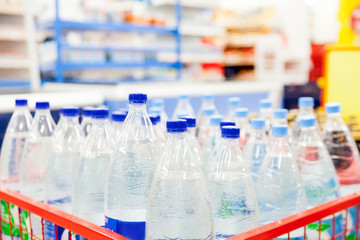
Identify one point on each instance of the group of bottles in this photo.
(144, 176)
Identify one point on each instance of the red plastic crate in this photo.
(270, 231)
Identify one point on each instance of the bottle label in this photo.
(10, 221)
(61, 233)
(131, 230)
(327, 227)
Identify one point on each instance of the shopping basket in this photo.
(345, 206)
(19, 229)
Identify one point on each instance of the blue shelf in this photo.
(114, 27)
(112, 49)
(14, 83)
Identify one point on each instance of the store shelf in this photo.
(11, 9)
(236, 60)
(192, 57)
(111, 48)
(9, 63)
(124, 27)
(14, 83)
(201, 30)
(187, 3)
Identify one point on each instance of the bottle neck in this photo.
(70, 119)
(191, 131)
(259, 133)
(308, 131)
(137, 107)
(266, 112)
(42, 112)
(230, 141)
(176, 136)
(306, 110)
(100, 121)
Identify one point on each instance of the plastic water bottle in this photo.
(242, 121)
(266, 113)
(280, 117)
(160, 135)
(207, 101)
(212, 134)
(157, 111)
(89, 185)
(37, 152)
(204, 124)
(117, 122)
(279, 187)
(86, 120)
(178, 204)
(160, 103)
(184, 107)
(233, 104)
(61, 170)
(231, 189)
(193, 142)
(13, 144)
(131, 172)
(59, 123)
(256, 147)
(306, 105)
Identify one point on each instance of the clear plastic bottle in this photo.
(233, 104)
(117, 122)
(242, 121)
(306, 108)
(207, 101)
(161, 123)
(13, 145)
(341, 146)
(131, 172)
(183, 107)
(256, 147)
(280, 117)
(204, 123)
(160, 136)
(37, 152)
(266, 113)
(86, 120)
(89, 185)
(279, 186)
(193, 142)
(209, 131)
(59, 123)
(231, 189)
(178, 204)
(160, 103)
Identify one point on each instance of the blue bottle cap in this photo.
(191, 122)
(100, 113)
(265, 103)
(242, 112)
(70, 111)
(307, 121)
(158, 118)
(234, 101)
(208, 96)
(87, 111)
(42, 105)
(225, 123)
(137, 98)
(280, 113)
(118, 116)
(257, 123)
(215, 120)
(155, 110)
(279, 130)
(174, 126)
(183, 96)
(306, 102)
(158, 103)
(333, 107)
(153, 119)
(208, 111)
(21, 102)
(230, 132)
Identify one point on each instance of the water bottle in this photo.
(183, 107)
(280, 117)
(212, 132)
(117, 122)
(266, 113)
(231, 189)
(12, 147)
(160, 103)
(204, 124)
(242, 121)
(207, 101)
(62, 167)
(160, 135)
(89, 185)
(59, 123)
(233, 104)
(86, 120)
(178, 203)
(279, 186)
(37, 152)
(157, 111)
(318, 175)
(256, 147)
(306, 105)
(193, 142)
(131, 172)
(13, 144)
